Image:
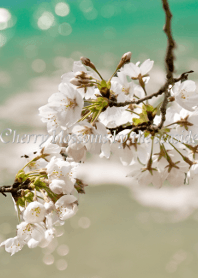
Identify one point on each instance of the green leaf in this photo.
(21, 202)
(109, 84)
(146, 134)
(29, 197)
(103, 83)
(137, 121)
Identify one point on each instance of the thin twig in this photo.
(169, 60)
(171, 43)
(163, 109)
(15, 189)
(183, 76)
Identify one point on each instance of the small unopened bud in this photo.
(80, 185)
(125, 59)
(75, 82)
(83, 75)
(170, 99)
(87, 62)
(42, 171)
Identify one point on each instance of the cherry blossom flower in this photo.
(63, 108)
(135, 71)
(12, 245)
(66, 206)
(185, 94)
(34, 213)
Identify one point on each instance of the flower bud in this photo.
(75, 82)
(87, 62)
(125, 59)
(82, 75)
(170, 99)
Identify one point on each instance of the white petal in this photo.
(146, 66)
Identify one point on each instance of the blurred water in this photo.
(123, 239)
(37, 36)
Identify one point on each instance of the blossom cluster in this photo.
(86, 105)
(46, 198)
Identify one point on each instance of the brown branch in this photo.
(16, 188)
(141, 127)
(183, 76)
(163, 109)
(5, 189)
(169, 59)
(171, 43)
(158, 93)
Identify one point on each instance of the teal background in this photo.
(124, 239)
(134, 26)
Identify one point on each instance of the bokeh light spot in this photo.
(3, 40)
(86, 6)
(62, 250)
(5, 15)
(62, 9)
(91, 15)
(38, 65)
(48, 259)
(59, 230)
(84, 222)
(65, 29)
(107, 11)
(45, 21)
(61, 264)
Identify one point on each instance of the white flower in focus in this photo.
(89, 136)
(78, 67)
(34, 213)
(27, 231)
(185, 94)
(145, 177)
(66, 206)
(12, 245)
(77, 151)
(128, 148)
(61, 175)
(135, 72)
(68, 104)
(63, 108)
(59, 186)
(51, 149)
(52, 219)
(127, 88)
(193, 172)
(106, 148)
(50, 117)
(49, 206)
(115, 116)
